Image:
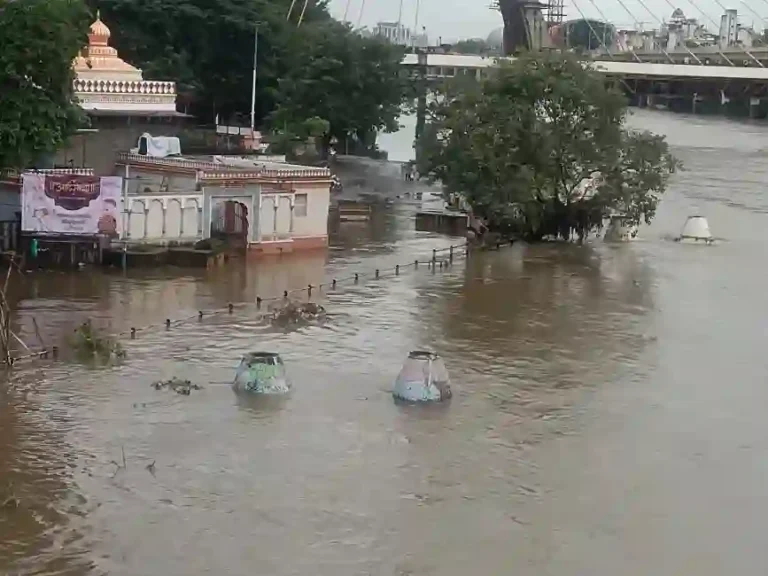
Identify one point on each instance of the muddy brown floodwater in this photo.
(608, 413)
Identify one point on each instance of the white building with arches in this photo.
(273, 207)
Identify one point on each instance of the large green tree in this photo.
(539, 148)
(353, 82)
(476, 47)
(318, 68)
(207, 46)
(38, 41)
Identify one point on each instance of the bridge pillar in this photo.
(421, 98)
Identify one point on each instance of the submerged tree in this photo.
(539, 148)
(40, 38)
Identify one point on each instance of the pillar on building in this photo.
(275, 206)
(292, 203)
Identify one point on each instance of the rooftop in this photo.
(213, 169)
(99, 60)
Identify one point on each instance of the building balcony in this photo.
(220, 170)
(126, 96)
(93, 86)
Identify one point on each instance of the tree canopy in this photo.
(40, 38)
(539, 148)
(351, 81)
(476, 47)
(320, 68)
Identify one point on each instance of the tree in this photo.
(352, 82)
(539, 148)
(474, 46)
(40, 38)
(206, 47)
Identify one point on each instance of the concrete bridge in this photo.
(741, 90)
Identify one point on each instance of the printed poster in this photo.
(70, 204)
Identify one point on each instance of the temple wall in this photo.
(98, 150)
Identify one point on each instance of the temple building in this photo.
(121, 104)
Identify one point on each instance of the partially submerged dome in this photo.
(423, 378)
(495, 39)
(696, 229)
(261, 373)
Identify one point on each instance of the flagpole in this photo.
(253, 82)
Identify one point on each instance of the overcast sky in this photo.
(454, 19)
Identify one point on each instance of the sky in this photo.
(455, 19)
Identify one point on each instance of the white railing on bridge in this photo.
(448, 65)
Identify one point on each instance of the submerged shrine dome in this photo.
(105, 82)
(495, 39)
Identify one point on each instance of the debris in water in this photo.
(183, 387)
(292, 314)
(87, 341)
(10, 501)
(119, 467)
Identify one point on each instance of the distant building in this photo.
(681, 31)
(420, 40)
(748, 37)
(636, 41)
(729, 28)
(394, 32)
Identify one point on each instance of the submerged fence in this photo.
(440, 259)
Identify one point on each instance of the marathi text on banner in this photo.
(70, 204)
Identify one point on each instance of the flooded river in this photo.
(608, 413)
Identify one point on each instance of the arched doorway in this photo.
(229, 222)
